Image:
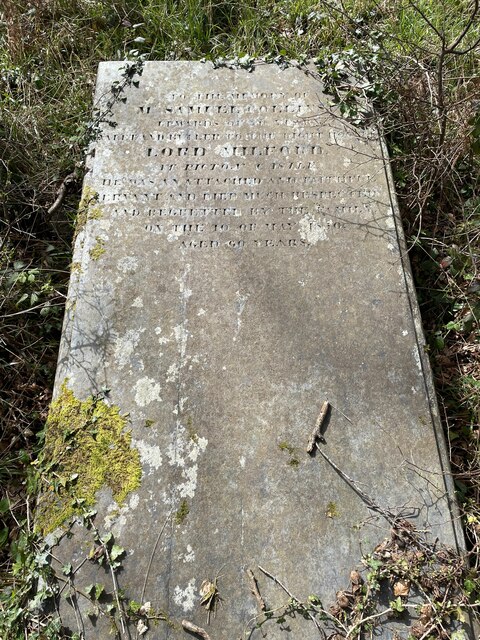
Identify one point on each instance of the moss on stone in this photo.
(182, 512)
(331, 511)
(87, 209)
(87, 447)
(292, 451)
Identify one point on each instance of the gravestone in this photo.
(242, 261)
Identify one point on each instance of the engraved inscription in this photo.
(223, 167)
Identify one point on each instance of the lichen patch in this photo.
(150, 454)
(125, 346)
(88, 209)
(98, 249)
(312, 230)
(161, 339)
(185, 598)
(147, 390)
(183, 452)
(137, 303)
(128, 264)
(189, 555)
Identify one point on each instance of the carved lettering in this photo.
(238, 147)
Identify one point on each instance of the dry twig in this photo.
(254, 588)
(189, 626)
(290, 594)
(317, 432)
(62, 190)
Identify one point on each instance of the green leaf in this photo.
(108, 537)
(453, 326)
(397, 605)
(116, 552)
(469, 586)
(94, 591)
(134, 606)
(3, 536)
(4, 506)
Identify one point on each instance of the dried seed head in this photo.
(207, 588)
(417, 629)
(356, 578)
(426, 613)
(343, 599)
(335, 610)
(401, 588)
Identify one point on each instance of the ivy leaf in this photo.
(106, 538)
(99, 589)
(116, 552)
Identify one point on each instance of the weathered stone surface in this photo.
(242, 262)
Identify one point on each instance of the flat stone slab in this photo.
(242, 262)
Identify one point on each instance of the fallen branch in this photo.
(399, 522)
(317, 432)
(121, 613)
(292, 597)
(189, 626)
(147, 573)
(391, 517)
(62, 190)
(254, 588)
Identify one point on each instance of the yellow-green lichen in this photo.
(87, 209)
(98, 250)
(192, 434)
(87, 447)
(70, 305)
